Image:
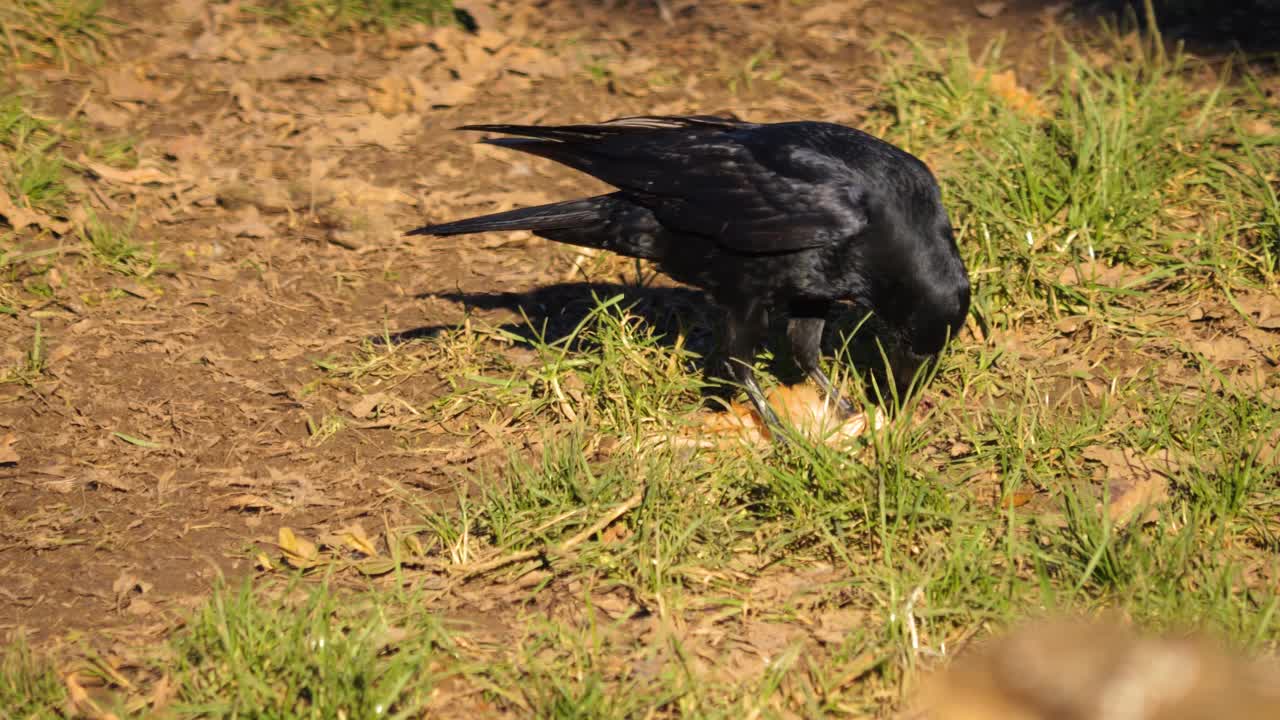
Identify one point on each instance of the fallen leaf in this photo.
(1225, 350)
(9, 456)
(1259, 128)
(450, 94)
(1096, 272)
(103, 478)
(354, 536)
(79, 702)
(250, 224)
(126, 588)
(19, 218)
(107, 115)
(1134, 482)
(1069, 325)
(990, 9)
(246, 501)
(129, 85)
(374, 129)
(298, 552)
(298, 66)
(1261, 307)
(139, 606)
(140, 442)
(365, 406)
(161, 693)
(376, 566)
(828, 12)
(141, 175)
(835, 626)
(391, 95)
(1017, 498)
(538, 63)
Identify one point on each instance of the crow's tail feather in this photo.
(609, 222)
(554, 216)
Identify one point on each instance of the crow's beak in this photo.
(910, 371)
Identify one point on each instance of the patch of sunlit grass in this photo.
(320, 16)
(52, 32)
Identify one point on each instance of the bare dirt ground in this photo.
(171, 430)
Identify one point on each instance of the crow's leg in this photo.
(747, 324)
(804, 329)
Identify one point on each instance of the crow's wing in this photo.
(752, 188)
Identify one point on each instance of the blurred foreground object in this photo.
(1077, 670)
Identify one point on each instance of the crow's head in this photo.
(924, 302)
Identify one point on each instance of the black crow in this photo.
(784, 218)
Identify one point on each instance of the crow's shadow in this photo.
(553, 313)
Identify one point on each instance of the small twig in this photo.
(469, 571)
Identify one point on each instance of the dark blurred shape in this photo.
(1218, 25)
(664, 9)
(1071, 669)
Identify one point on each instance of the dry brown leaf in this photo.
(246, 501)
(162, 692)
(188, 149)
(298, 66)
(19, 218)
(392, 95)
(538, 63)
(141, 175)
(990, 9)
(250, 224)
(827, 12)
(1225, 350)
(298, 552)
(9, 456)
(105, 478)
(79, 702)
(355, 537)
(1261, 307)
(1097, 272)
(128, 84)
(374, 129)
(1134, 482)
(139, 607)
(1017, 498)
(107, 115)
(126, 583)
(1259, 127)
(449, 94)
(365, 406)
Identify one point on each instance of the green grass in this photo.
(33, 168)
(1127, 145)
(35, 175)
(51, 32)
(308, 654)
(321, 16)
(29, 686)
(631, 580)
